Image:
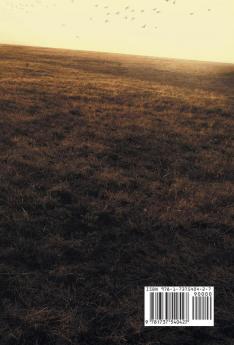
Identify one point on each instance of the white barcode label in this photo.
(179, 306)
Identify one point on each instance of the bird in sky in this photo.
(129, 13)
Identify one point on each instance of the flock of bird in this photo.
(130, 13)
(127, 12)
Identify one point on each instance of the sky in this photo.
(187, 29)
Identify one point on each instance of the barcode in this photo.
(169, 306)
(202, 307)
(179, 306)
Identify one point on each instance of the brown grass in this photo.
(116, 172)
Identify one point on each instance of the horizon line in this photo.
(116, 53)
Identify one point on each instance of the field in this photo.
(116, 172)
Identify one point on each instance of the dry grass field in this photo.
(116, 172)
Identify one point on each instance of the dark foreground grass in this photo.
(116, 172)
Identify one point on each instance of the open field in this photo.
(116, 172)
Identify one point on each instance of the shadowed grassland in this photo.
(116, 172)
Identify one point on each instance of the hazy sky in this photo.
(80, 24)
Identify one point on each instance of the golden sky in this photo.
(191, 29)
